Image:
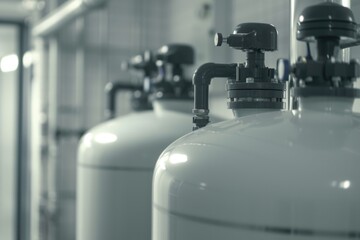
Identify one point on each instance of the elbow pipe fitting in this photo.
(111, 90)
(201, 81)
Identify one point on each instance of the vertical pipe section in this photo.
(79, 102)
(103, 73)
(201, 81)
(37, 118)
(22, 143)
(52, 128)
(80, 75)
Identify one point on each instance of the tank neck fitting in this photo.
(255, 59)
(327, 48)
(327, 23)
(251, 85)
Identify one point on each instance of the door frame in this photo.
(22, 170)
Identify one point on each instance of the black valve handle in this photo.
(250, 36)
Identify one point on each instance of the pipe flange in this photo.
(326, 70)
(260, 104)
(234, 85)
(255, 95)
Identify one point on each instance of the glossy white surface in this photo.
(114, 203)
(276, 175)
(115, 167)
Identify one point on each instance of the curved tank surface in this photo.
(115, 167)
(272, 175)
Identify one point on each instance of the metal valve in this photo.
(328, 24)
(249, 85)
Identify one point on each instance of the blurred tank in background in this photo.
(116, 159)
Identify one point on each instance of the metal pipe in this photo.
(201, 80)
(111, 90)
(80, 83)
(63, 15)
(37, 102)
(52, 171)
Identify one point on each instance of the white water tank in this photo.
(115, 166)
(277, 175)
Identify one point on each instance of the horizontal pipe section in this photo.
(63, 15)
